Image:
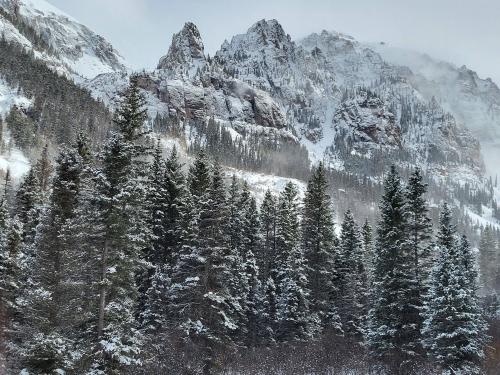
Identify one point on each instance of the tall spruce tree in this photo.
(293, 315)
(267, 254)
(49, 318)
(351, 279)
(420, 244)
(392, 334)
(121, 191)
(488, 260)
(367, 243)
(454, 329)
(318, 241)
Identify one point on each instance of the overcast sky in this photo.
(461, 31)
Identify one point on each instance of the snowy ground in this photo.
(11, 158)
(260, 183)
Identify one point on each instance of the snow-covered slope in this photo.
(333, 95)
(74, 48)
(11, 158)
(472, 100)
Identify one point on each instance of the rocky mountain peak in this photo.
(186, 50)
(269, 32)
(264, 40)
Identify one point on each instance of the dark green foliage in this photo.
(318, 242)
(60, 109)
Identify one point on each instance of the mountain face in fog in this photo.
(337, 98)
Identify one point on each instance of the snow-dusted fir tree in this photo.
(293, 315)
(157, 200)
(155, 253)
(121, 190)
(219, 310)
(186, 292)
(318, 244)
(267, 254)
(419, 228)
(367, 243)
(488, 260)
(176, 190)
(351, 279)
(50, 317)
(454, 330)
(420, 244)
(392, 335)
(168, 190)
(27, 204)
(252, 303)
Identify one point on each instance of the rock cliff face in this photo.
(327, 92)
(186, 53)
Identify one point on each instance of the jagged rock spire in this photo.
(186, 50)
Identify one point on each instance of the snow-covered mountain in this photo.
(64, 43)
(356, 106)
(474, 101)
(338, 98)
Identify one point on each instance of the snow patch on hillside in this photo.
(259, 183)
(10, 97)
(11, 158)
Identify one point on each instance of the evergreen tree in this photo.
(367, 243)
(351, 278)
(294, 319)
(28, 199)
(454, 329)
(48, 316)
(252, 303)
(267, 254)
(44, 169)
(176, 190)
(392, 334)
(121, 191)
(168, 191)
(419, 229)
(488, 260)
(318, 243)
(420, 245)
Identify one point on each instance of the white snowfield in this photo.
(11, 158)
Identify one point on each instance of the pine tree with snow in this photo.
(318, 242)
(121, 189)
(176, 190)
(186, 292)
(454, 330)
(420, 244)
(351, 279)
(293, 316)
(43, 169)
(392, 335)
(27, 203)
(155, 253)
(266, 256)
(367, 244)
(219, 317)
(168, 191)
(252, 303)
(48, 314)
(488, 260)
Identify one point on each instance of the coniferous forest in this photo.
(121, 260)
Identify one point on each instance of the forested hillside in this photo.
(121, 262)
(279, 207)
